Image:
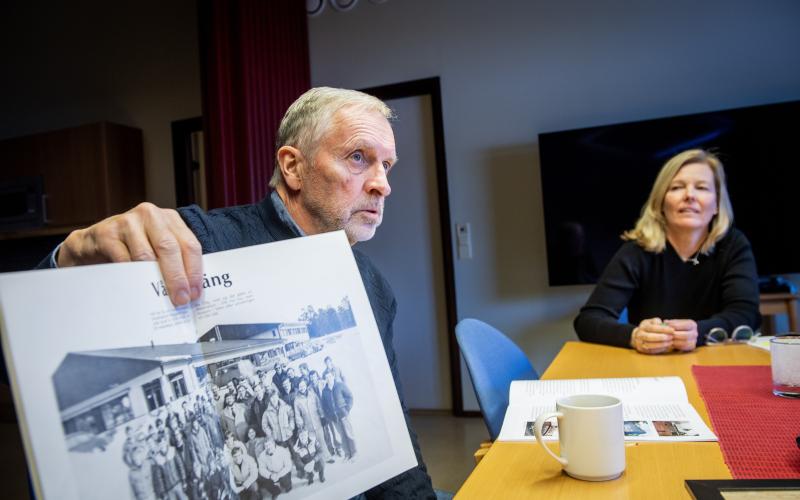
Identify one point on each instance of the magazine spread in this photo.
(274, 382)
(654, 408)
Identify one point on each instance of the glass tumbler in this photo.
(785, 352)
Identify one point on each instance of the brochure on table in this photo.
(654, 408)
(102, 364)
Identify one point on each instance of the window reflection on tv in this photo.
(595, 181)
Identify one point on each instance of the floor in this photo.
(448, 444)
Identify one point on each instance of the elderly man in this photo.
(335, 150)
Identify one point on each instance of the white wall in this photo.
(134, 63)
(512, 69)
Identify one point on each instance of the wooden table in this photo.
(653, 470)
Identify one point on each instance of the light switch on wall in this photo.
(464, 240)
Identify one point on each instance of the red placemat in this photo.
(756, 429)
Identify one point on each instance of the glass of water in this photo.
(785, 352)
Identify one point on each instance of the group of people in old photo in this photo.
(254, 437)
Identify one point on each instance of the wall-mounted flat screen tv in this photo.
(595, 181)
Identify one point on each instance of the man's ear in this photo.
(291, 162)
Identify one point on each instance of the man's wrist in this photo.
(633, 337)
(54, 256)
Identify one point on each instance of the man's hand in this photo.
(145, 232)
(652, 336)
(685, 337)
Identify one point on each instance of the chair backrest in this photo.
(493, 361)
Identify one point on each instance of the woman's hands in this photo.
(654, 336)
(685, 336)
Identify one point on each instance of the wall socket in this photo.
(464, 240)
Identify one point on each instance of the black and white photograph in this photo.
(256, 391)
(249, 411)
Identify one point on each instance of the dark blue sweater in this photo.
(241, 226)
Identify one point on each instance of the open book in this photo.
(654, 408)
(278, 368)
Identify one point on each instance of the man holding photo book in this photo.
(335, 150)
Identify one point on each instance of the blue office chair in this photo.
(493, 361)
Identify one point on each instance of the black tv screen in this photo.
(595, 181)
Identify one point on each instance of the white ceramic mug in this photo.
(591, 435)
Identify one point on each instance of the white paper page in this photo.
(628, 389)
(761, 342)
(654, 408)
(53, 318)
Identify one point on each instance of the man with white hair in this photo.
(335, 149)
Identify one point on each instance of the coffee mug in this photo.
(591, 435)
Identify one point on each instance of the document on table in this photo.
(654, 408)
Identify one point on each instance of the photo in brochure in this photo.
(549, 428)
(636, 427)
(273, 383)
(674, 428)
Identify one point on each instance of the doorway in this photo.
(413, 249)
(188, 157)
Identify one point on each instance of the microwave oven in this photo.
(22, 204)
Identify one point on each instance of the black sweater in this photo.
(720, 291)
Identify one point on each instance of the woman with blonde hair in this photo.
(683, 270)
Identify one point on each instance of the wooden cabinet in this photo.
(89, 172)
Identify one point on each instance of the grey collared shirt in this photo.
(283, 213)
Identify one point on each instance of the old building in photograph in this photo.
(100, 390)
(294, 336)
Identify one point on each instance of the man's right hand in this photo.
(652, 336)
(145, 232)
